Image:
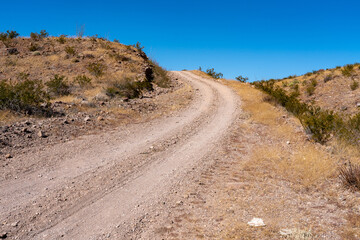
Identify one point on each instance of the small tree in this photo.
(241, 79)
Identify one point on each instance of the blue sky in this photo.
(259, 39)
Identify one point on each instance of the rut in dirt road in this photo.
(113, 178)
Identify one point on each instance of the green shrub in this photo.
(58, 86)
(124, 88)
(348, 70)
(314, 82)
(61, 39)
(43, 34)
(82, 80)
(354, 85)
(25, 96)
(310, 90)
(70, 50)
(97, 68)
(211, 72)
(159, 75)
(242, 79)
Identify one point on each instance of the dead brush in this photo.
(350, 175)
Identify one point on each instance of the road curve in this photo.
(102, 182)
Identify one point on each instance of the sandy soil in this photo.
(102, 186)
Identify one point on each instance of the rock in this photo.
(343, 108)
(41, 134)
(256, 222)
(3, 235)
(358, 104)
(87, 119)
(12, 51)
(15, 224)
(285, 232)
(8, 156)
(100, 118)
(288, 142)
(66, 121)
(25, 130)
(36, 53)
(179, 203)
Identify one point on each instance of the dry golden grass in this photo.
(302, 163)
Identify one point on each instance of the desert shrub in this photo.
(211, 72)
(310, 89)
(35, 36)
(313, 82)
(354, 85)
(319, 123)
(296, 90)
(125, 87)
(308, 74)
(328, 78)
(12, 34)
(61, 39)
(118, 57)
(160, 76)
(33, 47)
(10, 62)
(57, 86)
(25, 96)
(350, 175)
(82, 80)
(23, 75)
(70, 50)
(96, 68)
(348, 70)
(242, 79)
(43, 34)
(80, 30)
(116, 41)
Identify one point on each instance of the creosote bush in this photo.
(70, 50)
(354, 85)
(348, 70)
(61, 39)
(159, 75)
(96, 68)
(242, 79)
(320, 124)
(211, 72)
(58, 86)
(25, 96)
(33, 47)
(82, 80)
(128, 88)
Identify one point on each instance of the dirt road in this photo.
(86, 188)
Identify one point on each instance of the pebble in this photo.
(256, 222)
(87, 119)
(285, 232)
(3, 235)
(15, 224)
(41, 134)
(8, 156)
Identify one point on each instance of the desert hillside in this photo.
(57, 88)
(334, 89)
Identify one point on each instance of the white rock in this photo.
(286, 232)
(256, 222)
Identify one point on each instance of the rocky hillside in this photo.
(335, 89)
(56, 88)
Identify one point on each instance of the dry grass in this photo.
(301, 163)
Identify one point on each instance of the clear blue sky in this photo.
(259, 39)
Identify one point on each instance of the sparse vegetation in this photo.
(126, 87)
(61, 39)
(158, 76)
(328, 78)
(354, 85)
(82, 80)
(211, 72)
(242, 79)
(70, 50)
(350, 175)
(96, 68)
(310, 89)
(58, 86)
(348, 70)
(25, 96)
